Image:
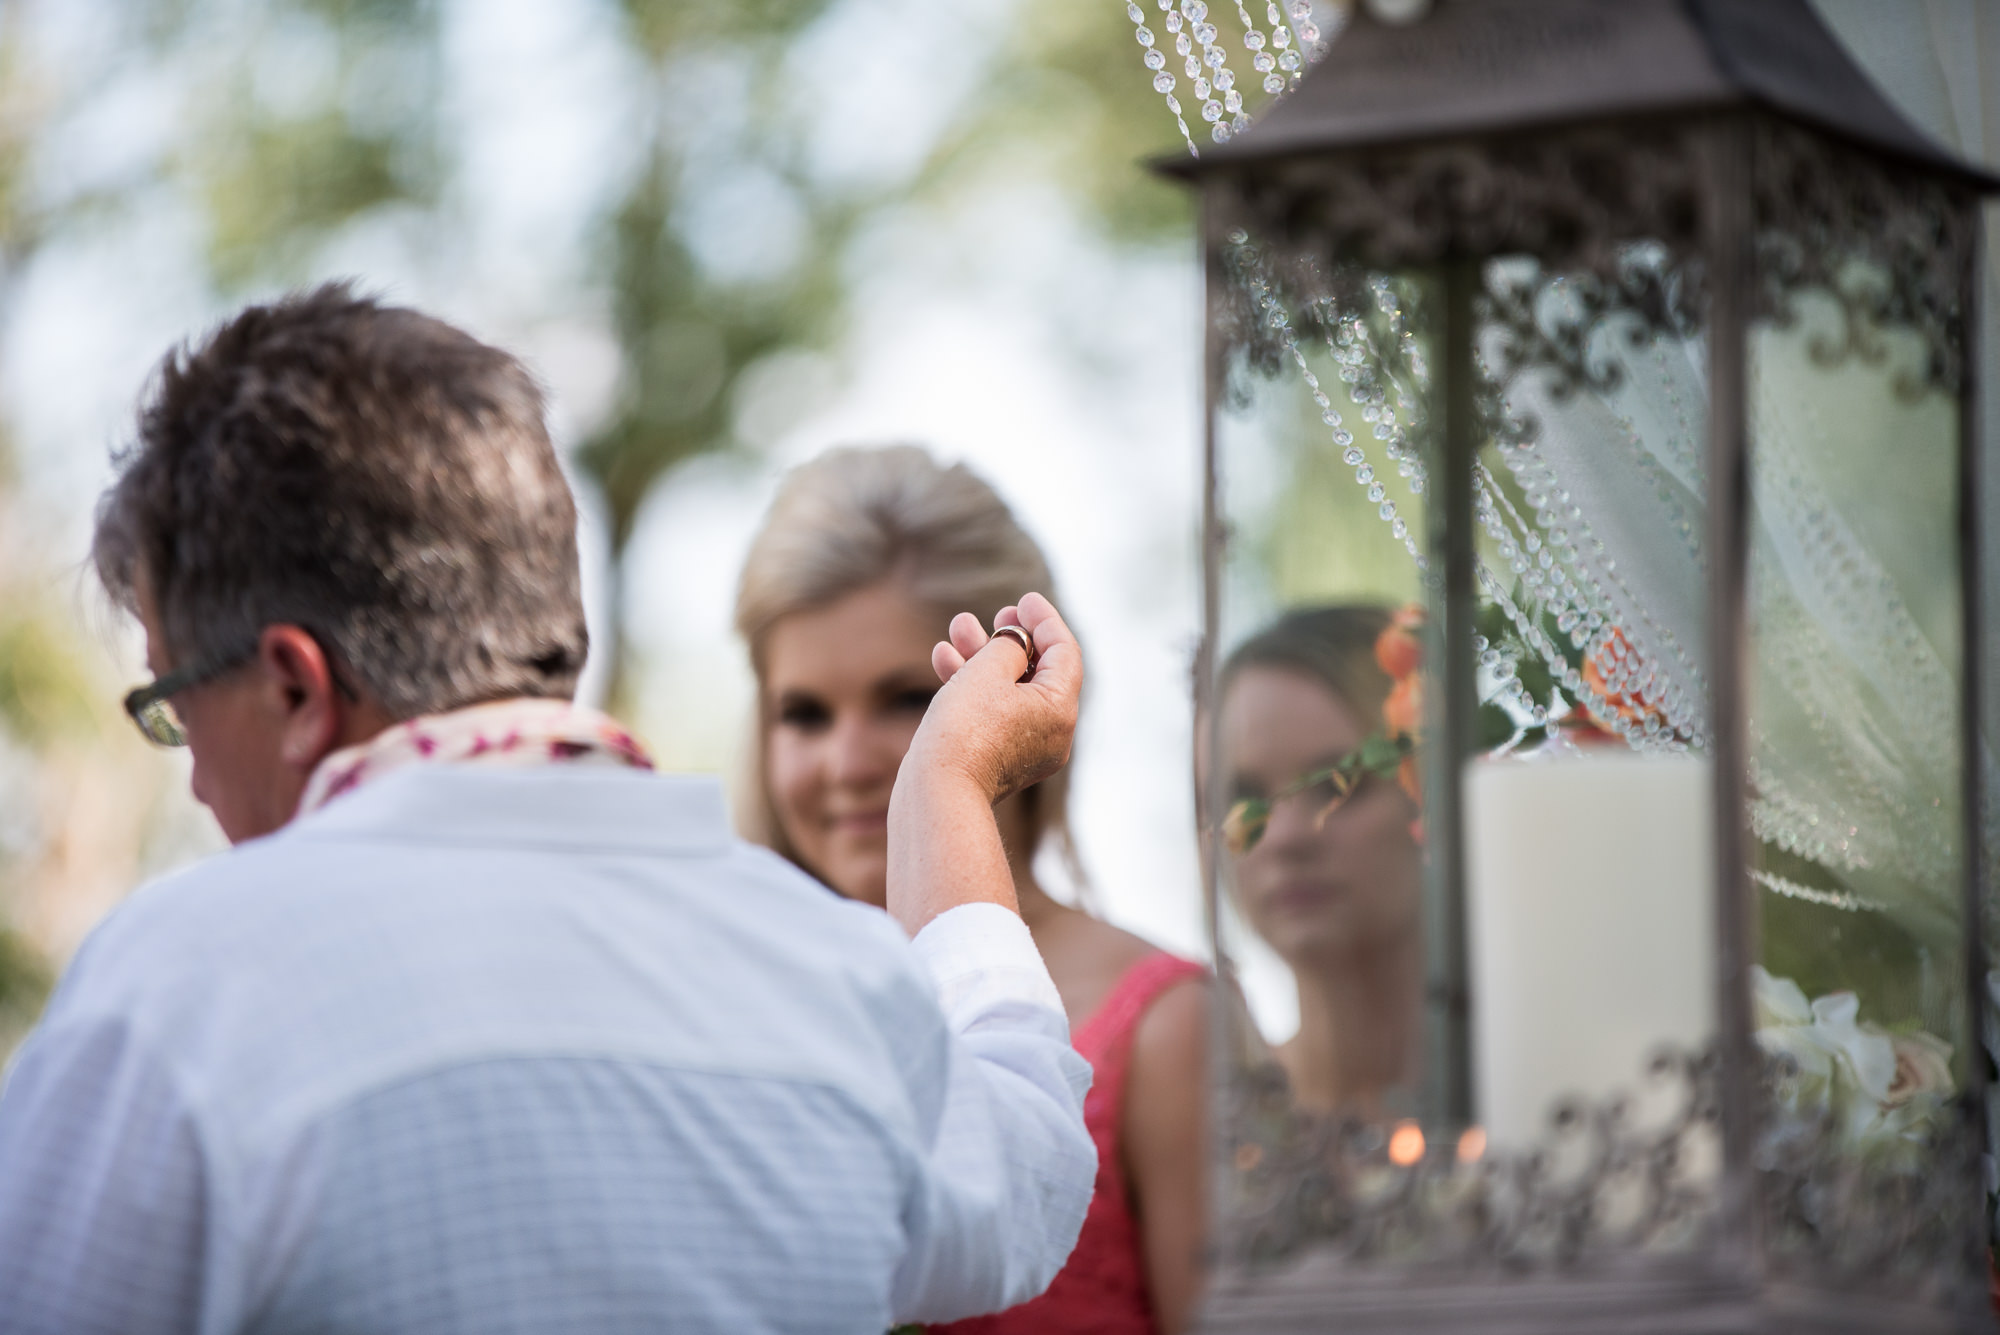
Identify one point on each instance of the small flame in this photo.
(1472, 1144)
(1406, 1144)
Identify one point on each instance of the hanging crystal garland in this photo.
(1574, 562)
(1833, 899)
(1211, 74)
(1264, 62)
(1853, 807)
(1308, 33)
(1354, 351)
(1290, 64)
(1156, 61)
(1246, 262)
(1363, 369)
(1281, 58)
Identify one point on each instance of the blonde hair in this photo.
(856, 517)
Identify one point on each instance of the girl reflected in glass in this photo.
(858, 567)
(1321, 836)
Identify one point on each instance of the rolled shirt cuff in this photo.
(981, 957)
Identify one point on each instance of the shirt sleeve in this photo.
(103, 1215)
(1008, 1169)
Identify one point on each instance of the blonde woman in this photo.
(863, 558)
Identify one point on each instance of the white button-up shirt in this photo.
(492, 1050)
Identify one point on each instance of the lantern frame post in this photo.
(1730, 247)
(1447, 1087)
(1972, 703)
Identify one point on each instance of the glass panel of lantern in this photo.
(1868, 964)
(1585, 761)
(1395, 1023)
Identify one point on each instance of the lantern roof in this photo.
(1477, 68)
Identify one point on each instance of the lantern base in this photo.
(1683, 1295)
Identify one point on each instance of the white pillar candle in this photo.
(1590, 919)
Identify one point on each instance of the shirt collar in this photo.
(578, 808)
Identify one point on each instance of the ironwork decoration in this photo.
(1603, 1177)
(1888, 243)
(1632, 1173)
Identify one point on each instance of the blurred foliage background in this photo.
(248, 147)
(688, 215)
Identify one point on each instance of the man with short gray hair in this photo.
(482, 1025)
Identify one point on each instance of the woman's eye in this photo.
(917, 699)
(804, 715)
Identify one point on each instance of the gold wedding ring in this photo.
(1020, 636)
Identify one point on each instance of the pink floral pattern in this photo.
(504, 732)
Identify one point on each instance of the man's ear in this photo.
(301, 691)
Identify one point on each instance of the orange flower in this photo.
(1399, 649)
(1597, 671)
(1403, 711)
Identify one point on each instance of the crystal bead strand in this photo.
(1156, 61)
(1365, 388)
(1353, 347)
(1663, 489)
(1307, 31)
(1351, 452)
(1535, 564)
(1790, 648)
(1551, 597)
(1215, 60)
(1289, 62)
(1529, 628)
(1779, 818)
(1888, 646)
(1355, 333)
(1264, 62)
(1799, 643)
(1541, 485)
(1549, 570)
(1247, 262)
(1530, 633)
(1833, 899)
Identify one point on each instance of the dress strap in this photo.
(1106, 1037)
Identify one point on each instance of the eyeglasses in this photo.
(1249, 817)
(151, 706)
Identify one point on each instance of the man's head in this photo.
(338, 514)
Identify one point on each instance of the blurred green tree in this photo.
(288, 123)
(1064, 95)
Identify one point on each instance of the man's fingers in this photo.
(967, 635)
(1059, 665)
(946, 661)
(1009, 615)
(1039, 616)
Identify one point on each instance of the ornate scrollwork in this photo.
(1604, 1177)
(1561, 325)
(1890, 245)
(1627, 1175)
(1618, 213)
(1571, 199)
(1905, 1213)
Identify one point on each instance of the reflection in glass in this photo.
(1324, 865)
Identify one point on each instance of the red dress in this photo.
(1102, 1290)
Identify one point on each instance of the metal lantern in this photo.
(1602, 930)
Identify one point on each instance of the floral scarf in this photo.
(504, 732)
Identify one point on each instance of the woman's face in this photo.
(844, 688)
(1318, 890)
